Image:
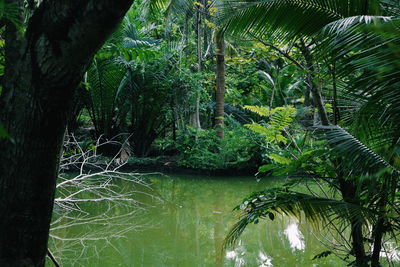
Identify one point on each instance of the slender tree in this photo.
(195, 115)
(44, 64)
(220, 89)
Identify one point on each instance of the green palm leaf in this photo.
(11, 12)
(104, 78)
(290, 203)
(369, 53)
(357, 154)
(284, 19)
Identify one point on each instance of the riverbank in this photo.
(166, 165)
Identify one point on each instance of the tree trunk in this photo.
(347, 188)
(43, 67)
(313, 86)
(220, 90)
(194, 119)
(348, 191)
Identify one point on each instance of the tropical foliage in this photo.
(305, 90)
(318, 83)
(359, 160)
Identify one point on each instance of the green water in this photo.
(185, 226)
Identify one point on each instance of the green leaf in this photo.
(280, 159)
(295, 204)
(262, 111)
(266, 167)
(323, 254)
(266, 76)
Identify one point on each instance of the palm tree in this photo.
(364, 45)
(107, 78)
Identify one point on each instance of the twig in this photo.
(50, 255)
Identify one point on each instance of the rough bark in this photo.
(220, 90)
(43, 67)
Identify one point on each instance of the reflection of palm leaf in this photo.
(282, 201)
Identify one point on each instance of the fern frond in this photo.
(280, 119)
(262, 111)
(258, 128)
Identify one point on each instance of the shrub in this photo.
(202, 149)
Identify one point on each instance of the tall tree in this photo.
(340, 18)
(195, 115)
(220, 89)
(44, 64)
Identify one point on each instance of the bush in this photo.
(202, 149)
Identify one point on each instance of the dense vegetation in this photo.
(304, 90)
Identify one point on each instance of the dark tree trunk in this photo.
(141, 142)
(347, 188)
(43, 67)
(78, 104)
(348, 191)
(313, 86)
(220, 90)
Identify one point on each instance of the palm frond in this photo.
(11, 11)
(104, 78)
(152, 7)
(274, 201)
(340, 25)
(359, 157)
(285, 19)
(371, 55)
(179, 7)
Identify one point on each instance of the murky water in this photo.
(185, 226)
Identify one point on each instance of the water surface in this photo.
(185, 226)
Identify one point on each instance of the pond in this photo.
(185, 225)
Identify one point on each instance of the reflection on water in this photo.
(188, 226)
(390, 251)
(294, 236)
(237, 258)
(265, 261)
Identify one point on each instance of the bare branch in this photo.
(93, 194)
